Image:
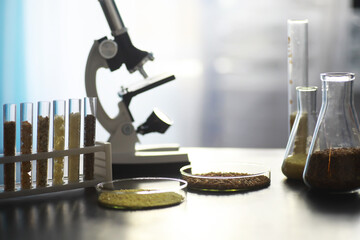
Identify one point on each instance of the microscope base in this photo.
(146, 157)
(161, 161)
(171, 170)
(145, 165)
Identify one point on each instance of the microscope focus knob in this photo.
(108, 49)
(156, 122)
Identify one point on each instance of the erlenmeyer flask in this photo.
(301, 133)
(333, 162)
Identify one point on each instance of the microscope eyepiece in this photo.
(113, 17)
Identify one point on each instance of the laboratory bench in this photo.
(284, 210)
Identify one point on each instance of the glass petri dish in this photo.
(226, 176)
(141, 193)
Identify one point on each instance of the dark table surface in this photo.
(284, 210)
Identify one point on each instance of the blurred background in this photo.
(229, 58)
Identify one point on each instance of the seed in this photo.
(227, 181)
(131, 198)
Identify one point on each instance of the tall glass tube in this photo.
(89, 135)
(74, 138)
(9, 111)
(297, 63)
(26, 143)
(43, 123)
(59, 140)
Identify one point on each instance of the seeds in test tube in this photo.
(9, 150)
(42, 146)
(26, 148)
(74, 142)
(59, 144)
(89, 140)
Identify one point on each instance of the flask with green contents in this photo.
(301, 133)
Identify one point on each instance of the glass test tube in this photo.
(74, 138)
(26, 143)
(9, 111)
(297, 63)
(43, 123)
(59, 140)
(89, 135)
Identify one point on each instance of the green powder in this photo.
(132, 199)
(293, 166)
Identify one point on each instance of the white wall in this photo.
(229, 58)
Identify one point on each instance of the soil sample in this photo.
(292, 119)
(59, 144)
(9, 150)
(293, 165)
(42, 146)
(223, 181)
(334, 169)
(89, 140)
(74, 142)
(26, 148)
(128, 199)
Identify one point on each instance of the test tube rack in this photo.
(102, 169)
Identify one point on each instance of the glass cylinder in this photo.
(333, 162)
(43, 123)
(301, 133)
(74, 138)
(297, 63)
(26, 137)
(89, 135)
(9, 114)
(59, 140)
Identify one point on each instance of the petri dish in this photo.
(141, 193)
(226, 176)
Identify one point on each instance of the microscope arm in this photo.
(94, 62)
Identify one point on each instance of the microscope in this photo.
(112, 54)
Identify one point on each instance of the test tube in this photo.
(89, 135)
(9, 111)
(74, 139)
(59, 140)
(26, 143)
(297, 63)
(42, 142)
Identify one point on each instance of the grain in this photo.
(42, 146)
(59, 144)
(226, 181)
(26, 148)
(131, 198)
(74, 142)
(334, 169)
(89, 140)
(9, 150)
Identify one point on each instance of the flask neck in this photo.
(306, 99)
(337, 93)
(337, 88)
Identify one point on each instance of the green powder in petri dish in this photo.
(133, 199)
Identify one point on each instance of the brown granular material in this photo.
(42, 146)
(334, 169)
(9, 150)
(26, 148)
(89, 140)
(226, 181)
(9, 138)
